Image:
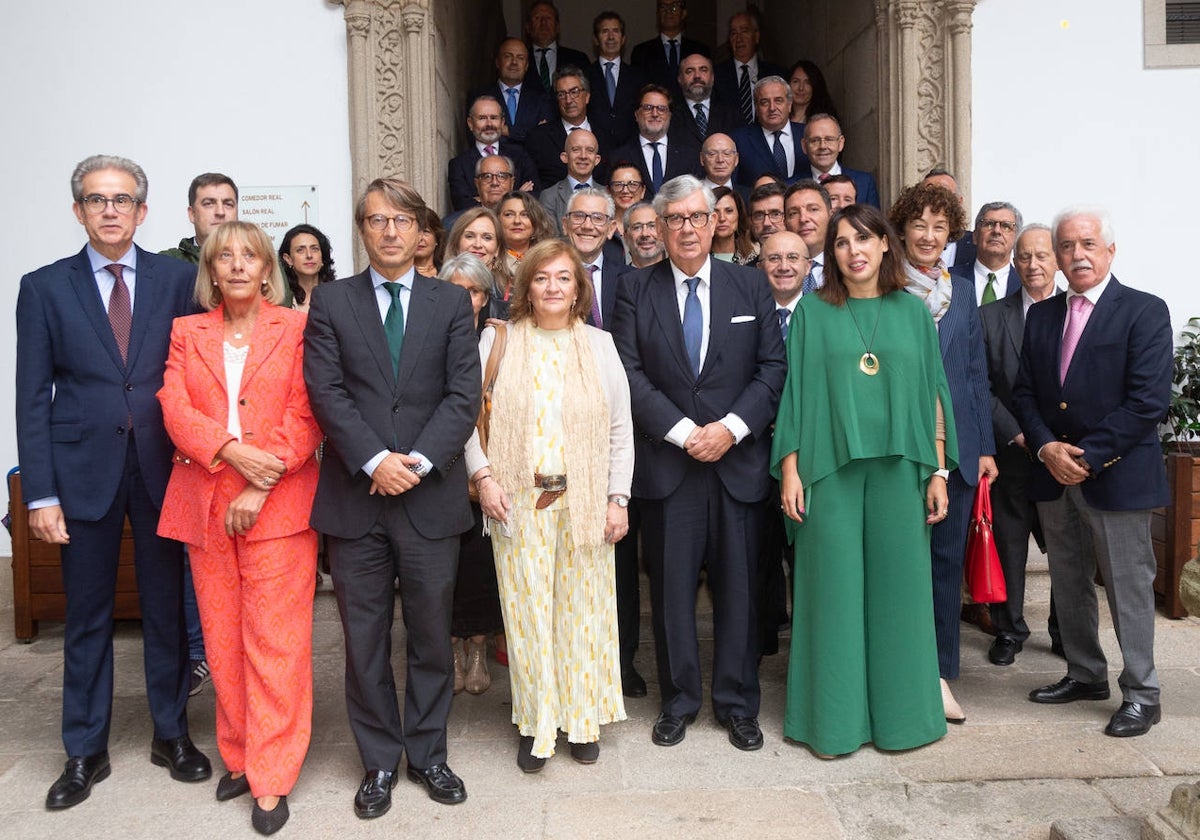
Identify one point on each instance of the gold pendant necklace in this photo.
(868, 363)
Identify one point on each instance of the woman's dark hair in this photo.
(865, 219)
(432, 222)
(539, 219)
(821, 102)
(912, 203)
(326, 272)
(743, 242)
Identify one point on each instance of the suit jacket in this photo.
(534, 106)
(614, 267)
(545, 145)
(755, 157)
(75, 397)
(1003, 323)
(864, 186)
(967, 272)
(725, 81)
(743, 373)
(566, 57)
(1115, 394)
(966, 251)
(273, 412)
(723, 118)
(613, 124)
(650, 57)
(460, 172)
(963, 356)
(683, 157)
(428, 407)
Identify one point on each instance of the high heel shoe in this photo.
(460, 665)
(954, 712)
(477, 680)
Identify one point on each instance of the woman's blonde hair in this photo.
(208, 294)
(520, 307)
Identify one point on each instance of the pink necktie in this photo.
(597, 321)
(489, 151)
(1081, 310)
(120, 313)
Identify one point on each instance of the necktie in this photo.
(511, 96)
(610, 82)
(120, 312)
(673, 57)
(581, 185)
(823, 177)
(701, 119)
(780, 155)
(597, 319)
(693, 324)
(393, 325)
(656, 168)
(989, 293)
(783, 314)
(544, 68)
(489, 150)
(745, 95)
(1081, 310)
(810, 283)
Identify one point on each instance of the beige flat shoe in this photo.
(477, 680)
(954, 712)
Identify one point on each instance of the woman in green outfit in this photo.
(862, 442)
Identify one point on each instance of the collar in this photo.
(405, 280)
(752, 64)
(572, 182)
(666, 40)
(704, 274)
(504, 89)
(790, 306)
(552, 47)
(770, 135)
(661, 141)
(1093, 294)
(706, 102)
(713, 186)
(836, 169)
(99, 262)
(570, 127)
(982, 271)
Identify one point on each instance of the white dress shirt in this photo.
(981, 281)
(788, 142)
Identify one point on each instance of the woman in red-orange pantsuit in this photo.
(241, 489)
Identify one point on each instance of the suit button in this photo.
(128, 386)
(242, 401)
(395, 409)
(1062, 406)
(695, 390)
(120, 430)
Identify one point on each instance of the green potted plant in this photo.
(1182, 428)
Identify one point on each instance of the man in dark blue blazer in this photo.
(992, 274)
(744, 63)
(93, 332)
(756, 143)
(701, 346)
(546, 55)
(1093, 386)
(525, 106)
(611, 115)
(485, 122)
(545, 143)
(823, 143)
(658, 58)
(699, 104)
(677, 149)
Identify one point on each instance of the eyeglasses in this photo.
(379, 221)
(578, 217)
(773, 215)
(675, 221)
(723, 154)
(626, 186)
(653, 109)
(778, 259)
(494, 177)
(670, 7)
(638, 227)
(96, 204)
(824, 141)
(569, 94)
(992, 224)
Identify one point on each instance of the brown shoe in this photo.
(460, 665)
(980, 616)
(477, 680)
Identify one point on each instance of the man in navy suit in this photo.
(659, 57)
(823, 143)
(737, 75)
(701, 346)
(616, 83)
(1093, 386)
(775, 144)
(659, 150)
(93, 332)
(699, 110)
(992, 274)
(485, 121)
(588, 223)
(525, 106)
(547, 56)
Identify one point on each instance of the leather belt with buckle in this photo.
(552, 486)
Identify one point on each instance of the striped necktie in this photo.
(746, 96)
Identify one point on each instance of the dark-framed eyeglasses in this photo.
(403, 223)
(675, 221)
(96, 204)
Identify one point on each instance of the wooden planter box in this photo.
(1175, 530)
(37, 574)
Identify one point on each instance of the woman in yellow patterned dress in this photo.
(554, 486)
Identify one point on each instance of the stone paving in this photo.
(1007, 774)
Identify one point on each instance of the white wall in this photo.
(1064, 112)
(253, 89)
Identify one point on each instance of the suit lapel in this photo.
(84, 283)
(949, 322)
(210, 344)
(361, 296)
(147, 301)
(1094, 328)
(722, 298)
(1014, 322)
(421, 303)
(267, 334)
(666, 309)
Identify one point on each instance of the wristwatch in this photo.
(619, 500)
(945, 474)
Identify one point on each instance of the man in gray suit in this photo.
(581, 153)
(392, 368)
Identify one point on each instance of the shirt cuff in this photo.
(736, 427)
(680, 431)
(45, 502)
(369, 467)
(425, 467)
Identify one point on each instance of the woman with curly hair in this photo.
(306, 258)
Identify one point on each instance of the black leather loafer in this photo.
(231, 788)
(744, 732)
(75, 783)
(1004, 650)
(440, 782)
(526, 760)
(180, 756)
(669, 730)
(374, 796)
(268, 822)
(632, 684)
(1068, 690)
(1133, 719)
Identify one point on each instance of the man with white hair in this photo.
(1093, 385)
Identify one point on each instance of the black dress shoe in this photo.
(268, 822)
(230, 788)
(75, 783)
(586, 753)
(744, 732)
(669, 730)
(1004, 650)
(526, 760)
(632, 684)
(440, 782)
(186, 763)
(1068, 690)
(374, 796)
(1133, 719)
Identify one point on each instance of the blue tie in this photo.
(610, 82)
(780, 155)
(783, 314)
(511, 95)
(656, 170)
(701, 119)
(673, 57)
(810, 283)
(693, 324)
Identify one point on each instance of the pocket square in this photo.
(741, 319)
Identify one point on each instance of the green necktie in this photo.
(393, 325)
(989, 294)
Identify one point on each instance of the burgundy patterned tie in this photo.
(597, 319)
(120, 312)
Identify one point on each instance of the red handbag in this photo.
(985, 578)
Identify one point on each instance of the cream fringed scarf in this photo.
(585, 430)
(932, 285)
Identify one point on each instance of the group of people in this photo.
(751, 378)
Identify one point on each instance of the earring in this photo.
(574, 302)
